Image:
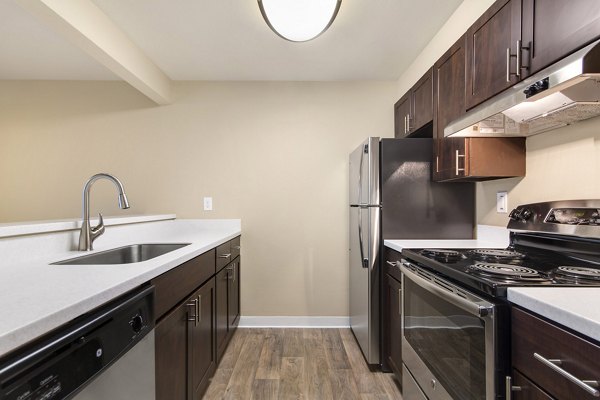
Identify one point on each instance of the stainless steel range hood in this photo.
(564, 93)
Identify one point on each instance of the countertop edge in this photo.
(35, 227)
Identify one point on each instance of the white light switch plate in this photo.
(502, 202)
(208, 204)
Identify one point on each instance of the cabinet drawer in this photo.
(579, 357)
(223, 255)
(176, 284)
(392, 256)
(235, 247)
(527, 389)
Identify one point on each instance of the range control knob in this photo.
(525, 214)
(514, 214)
(137, 323)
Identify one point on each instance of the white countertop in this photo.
(37, 297)
(575, 307)
(487, 237)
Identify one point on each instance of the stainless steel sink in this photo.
(125, 255)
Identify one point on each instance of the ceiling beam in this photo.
(85, 25)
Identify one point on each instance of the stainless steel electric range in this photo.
(456, 319)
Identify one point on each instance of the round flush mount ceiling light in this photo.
(299, 20)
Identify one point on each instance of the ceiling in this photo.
(228, 40)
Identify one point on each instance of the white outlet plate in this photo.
(208, 206)
(502, 202)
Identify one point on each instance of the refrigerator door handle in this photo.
(360, 168)
(363, 261)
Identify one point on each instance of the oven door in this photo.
(448, 338)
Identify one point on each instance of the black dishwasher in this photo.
(62, 363)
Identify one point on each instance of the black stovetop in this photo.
(492, 271)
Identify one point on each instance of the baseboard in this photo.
(294, 322)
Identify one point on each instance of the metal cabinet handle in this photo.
(237, 247)
(510, 388)
(194, 306)
(234, 272)
(458, 155)
(408, 122)
(199, 310)
(228, 255)
(391, 263)
(437, 163)
(400, 301)
(508, 64)
(405, 124)
(520, 49)
(554, 365)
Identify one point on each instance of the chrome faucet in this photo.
(89, 234)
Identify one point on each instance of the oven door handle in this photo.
(449, 293)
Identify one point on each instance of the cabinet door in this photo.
(171, 354)
(401, 114)
(202, 339)
(491, 51)
(233, 298)
(556, 28)
(221, 286)
(449, 104)
(393, 303)
(422, 94)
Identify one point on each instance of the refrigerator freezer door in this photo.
(364, 279)
(364, 173)
(414, 207)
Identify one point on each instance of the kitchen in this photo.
(217, 140)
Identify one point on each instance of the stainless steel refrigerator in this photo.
(392, 196)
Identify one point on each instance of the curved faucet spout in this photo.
(89, 234)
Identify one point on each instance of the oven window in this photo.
(450, 341)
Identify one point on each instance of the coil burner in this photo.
(578, 275)
(496, 255)
(443, 255)
(508, 272)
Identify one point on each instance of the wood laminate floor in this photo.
(310, 364)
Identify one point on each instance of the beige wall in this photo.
(273, 154)
(561, 164)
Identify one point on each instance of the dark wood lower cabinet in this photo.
(191, 338)
(228, 304)
(393, 299)
(202, 363)
(185, 352)
(392, 313)
(171, 355)
(540, 348)
(221, 280)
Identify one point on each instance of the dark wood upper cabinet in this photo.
(422, 96)
(516, 38)
(552, 29)
(491, 48)
(414, 110)
(401, 113)
(448, 105)
(470, 159)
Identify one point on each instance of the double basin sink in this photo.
(125, 255)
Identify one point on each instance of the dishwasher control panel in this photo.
(62, 364)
